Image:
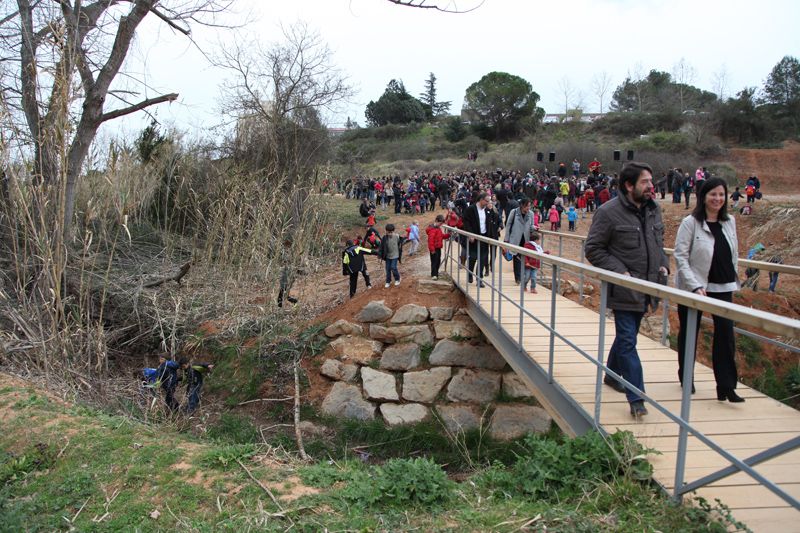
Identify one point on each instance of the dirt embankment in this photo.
(777, 168)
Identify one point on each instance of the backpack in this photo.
(750, 190)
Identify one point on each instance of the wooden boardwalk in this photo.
(743, 429)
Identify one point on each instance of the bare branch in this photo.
(450, 7)
(137, 107)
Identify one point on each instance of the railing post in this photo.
(496, 262)
(521, 307)
(686, 399)
(580, 289)
(478, 278)
(470, 274)
(560, 246)
(553, 292)
(664, 322)
(601, 340)
(500, 297)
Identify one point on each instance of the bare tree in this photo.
(637, 78)
(52, 43)
(719, 82)
(276, 96)
(567, 92)
(601, 84)
(684, 74)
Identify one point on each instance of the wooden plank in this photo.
(729, 442)
(754, 497)
(769, 519)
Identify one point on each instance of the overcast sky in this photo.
(542, 41)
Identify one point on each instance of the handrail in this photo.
(738, 313)
(749, 263)
(763, 320)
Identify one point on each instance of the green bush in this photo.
(401, 483)
(631, 124)
(664, 141)
(455, 130)
(556, 470)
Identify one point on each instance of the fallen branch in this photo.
(176, 278)
(297, 433)
(266, 400)
(263, 487)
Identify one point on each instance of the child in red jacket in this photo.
(435, 243)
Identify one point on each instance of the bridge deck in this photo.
(743, 429)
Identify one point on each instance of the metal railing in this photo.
(760, 319)
(746, 263)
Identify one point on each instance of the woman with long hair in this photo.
(706, 252)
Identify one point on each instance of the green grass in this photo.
(95, 472)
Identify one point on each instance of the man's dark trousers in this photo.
(623, 357)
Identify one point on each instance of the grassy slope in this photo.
(64, 466)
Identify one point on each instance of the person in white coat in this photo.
(706, 252)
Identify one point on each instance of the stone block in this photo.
(410, 314)
(514, 387)
(375, 311)
(397, 414)
(434, 286)
(452, 353)
(511, 421)
(442, 313)
(357, 349)
(464, 328)
(459, 418)
(339, 371)
(346, 401)
(379, 385)
(343, 327)
(425, 385)
(403, 356)
(474, 386)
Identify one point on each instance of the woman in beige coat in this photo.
(706, 252)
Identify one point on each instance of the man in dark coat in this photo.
(627, 237)
(476, 221)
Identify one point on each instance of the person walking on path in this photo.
(353, 263)
(476, 221)
(390, 252)
(627, 237)
(435, 244)
(518, 231)
(706, 254)
(413, 237)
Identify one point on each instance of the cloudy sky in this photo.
(542, 41)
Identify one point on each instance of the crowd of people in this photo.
(626, 236)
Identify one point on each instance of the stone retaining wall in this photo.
(413, 363)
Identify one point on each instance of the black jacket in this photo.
(353, 260)
(472, 223)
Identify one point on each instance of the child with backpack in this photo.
(532, 264)
(353, 263)
(435, 244)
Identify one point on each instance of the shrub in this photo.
(663, 141)
(554, 470)
(455, 130)
(401, 483)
